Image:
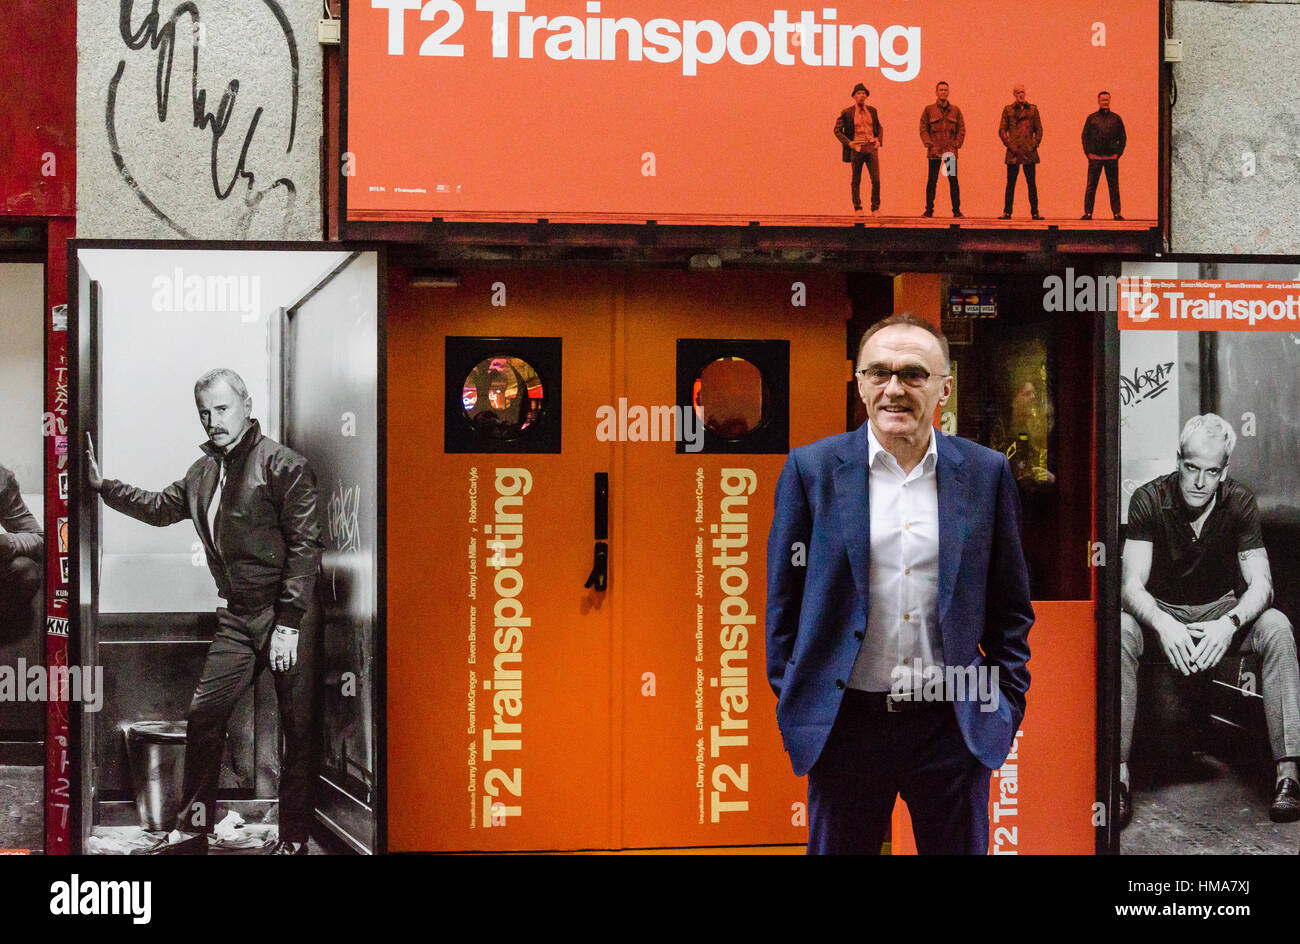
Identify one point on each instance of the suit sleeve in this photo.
(1004, 127)
(925, 130)
(787, 560)
(840, 135)
(156, 508)
(22, 535)
(1038, 127)
(961, 129)
(1123, 137)
(300, 527)
(1008, 613)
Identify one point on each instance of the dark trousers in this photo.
(857, 159)
(954, 191)
(238, 654)
(1111, 167)
(20, 579)
(873, 756)
(1013, 170)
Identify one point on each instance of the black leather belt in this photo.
(885, 703)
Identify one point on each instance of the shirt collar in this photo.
(875, 450)
(241, 448)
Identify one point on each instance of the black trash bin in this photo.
(156, 751)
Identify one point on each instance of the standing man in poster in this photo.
(895, 556)
(1021, 131)
(858, 129)
(253, 503)
(1196, 586)
(1103, 141)
(22, 548)
(943, 131)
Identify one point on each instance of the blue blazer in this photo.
(817, 612)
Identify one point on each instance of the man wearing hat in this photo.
(859, 131)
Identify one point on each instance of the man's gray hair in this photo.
(1215, 428)
(221, 373)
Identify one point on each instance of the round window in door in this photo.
(502, 396)
(738, 390)
(729, 397)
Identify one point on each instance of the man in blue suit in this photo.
(898, 610)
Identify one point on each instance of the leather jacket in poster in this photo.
(267, 522)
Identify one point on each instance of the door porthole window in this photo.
(502, 396)
(729, 397)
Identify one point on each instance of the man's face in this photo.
(223, 414)
(896, 409)
(941, 90)
(1019, 93)
(860, 97)
(1200, 469)
(1103, 102)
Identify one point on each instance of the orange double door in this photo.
(581, 473)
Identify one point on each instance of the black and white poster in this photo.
(228, 548)
(1209, 713)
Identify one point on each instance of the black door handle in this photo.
(599, 576)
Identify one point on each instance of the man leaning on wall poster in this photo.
(898, 610)
(254, 505)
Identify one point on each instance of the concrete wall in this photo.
(1238, 89)
(157, 162)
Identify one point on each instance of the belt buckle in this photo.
(891, 704)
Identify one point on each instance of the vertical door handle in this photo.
(598, 579)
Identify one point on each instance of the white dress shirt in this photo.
(903, 613)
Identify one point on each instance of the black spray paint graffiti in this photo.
(1145, 384)
(344, 525)
(163, 37)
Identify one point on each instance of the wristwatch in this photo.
(1236, 620)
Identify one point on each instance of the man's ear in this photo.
(947, 391)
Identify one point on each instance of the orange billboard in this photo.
(737, 112)
(1208, 304)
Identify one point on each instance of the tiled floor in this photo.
(1207, 806)
(22, 823)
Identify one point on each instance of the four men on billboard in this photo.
(1197, 587)
(943, 132)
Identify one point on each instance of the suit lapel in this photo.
(852, 501)
(955, 507)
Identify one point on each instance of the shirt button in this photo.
(859, 636)
(907, 527)
(839, 683)
(907, 616)
(907, 570)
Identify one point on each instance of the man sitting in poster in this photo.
(22, 547)
(253, 503)
(1197, 586)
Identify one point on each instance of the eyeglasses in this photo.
(911, 375)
